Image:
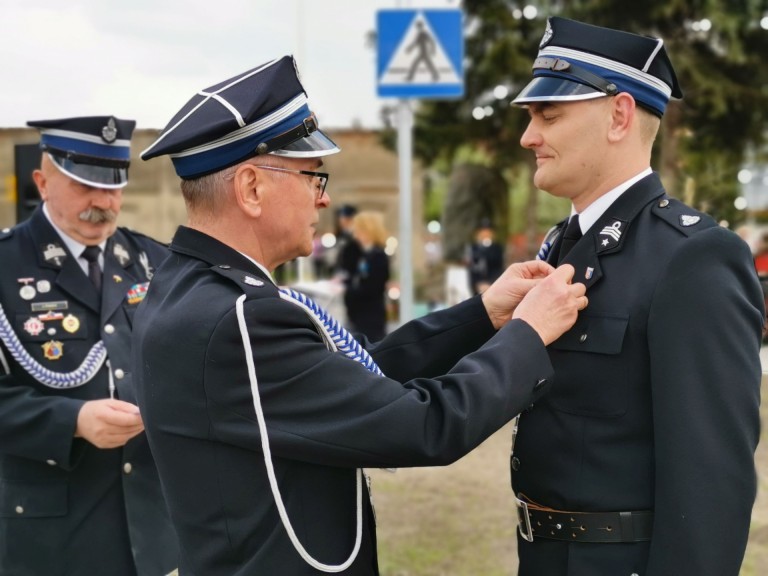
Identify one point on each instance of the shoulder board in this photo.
(681, 216)
(6, 233)
(251, 284)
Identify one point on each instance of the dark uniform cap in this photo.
(261, 111)
(578, 61)
(346, 210)
(94, 150)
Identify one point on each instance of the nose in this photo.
(531, 137)
(102, 197)
(324, 201)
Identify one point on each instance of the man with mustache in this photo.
(79, 492)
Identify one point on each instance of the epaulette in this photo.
(6, 233)
(681, 216)
(249, 283)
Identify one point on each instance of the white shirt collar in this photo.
(260, 267)
(75, 247)
(592, 213)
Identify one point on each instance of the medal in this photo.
(43, 286)
(70, 323)
(34, 326)
(53, 350)
(27, 292)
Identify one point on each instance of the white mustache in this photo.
(97, 215)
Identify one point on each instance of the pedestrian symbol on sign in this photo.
(419, 58)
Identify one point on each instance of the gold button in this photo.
(127, 467)
(19, 510)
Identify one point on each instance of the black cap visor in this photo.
(314, 145)
(555, 89)
(97, 176)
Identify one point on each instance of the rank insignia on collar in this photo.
(53, 350)
(688, 220)
(610, 235)
(121, 254)
(54, 254)
(144, 260)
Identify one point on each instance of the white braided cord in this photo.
(59, 380)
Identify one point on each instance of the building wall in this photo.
(364, 174)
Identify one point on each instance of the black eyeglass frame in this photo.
(322, 176)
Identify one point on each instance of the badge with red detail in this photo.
(53, 350)
(137, 292)
(34, 326)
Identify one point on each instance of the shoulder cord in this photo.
(60, 380)
(337, 338)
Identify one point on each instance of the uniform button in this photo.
(635, 573)
(225, 266)
(19, 510)
(119, 374)
(51, 331)
(582, 338)
(515, 463)
(127, 468)
(51, 462)
(540, 384)
(6, 230)
(109, 329)
(663, 204)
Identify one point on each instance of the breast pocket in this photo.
(30, 500)
(591, 374)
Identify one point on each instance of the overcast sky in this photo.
(143, 59)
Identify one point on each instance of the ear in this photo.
(249, 190)
(40, 182)
(622, 116)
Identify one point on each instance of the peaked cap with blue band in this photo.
(94, 150)
(261, 111)
(578, 61)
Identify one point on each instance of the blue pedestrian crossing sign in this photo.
(420, 53)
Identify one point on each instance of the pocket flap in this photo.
(594, 333)
(29, 500)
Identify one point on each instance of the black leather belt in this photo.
(539, 521)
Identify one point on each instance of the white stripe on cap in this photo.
(609, 64)
(659, 44)
(204, 100)
(83, 137)
(272, 119)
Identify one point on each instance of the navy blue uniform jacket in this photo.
(68, 508)
(657, 395)
(325, 413)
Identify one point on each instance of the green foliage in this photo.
(721, 69)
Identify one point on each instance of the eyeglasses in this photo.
(322, 177)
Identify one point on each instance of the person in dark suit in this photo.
(366, 292)
(640, 461)
(260, 409)
(79, 492)
(484, 258)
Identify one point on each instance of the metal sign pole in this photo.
(405, 250)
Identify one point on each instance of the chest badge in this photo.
(33, 326)
(137, 292)
(70, 323)
(27, 292)
(53, 350)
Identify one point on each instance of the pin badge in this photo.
(137, 292)
(53, 350)
(117, 278)
(50, 316)
(27, 292)
(34, 326)
(70, 323)
(43, 286)
(589, 272)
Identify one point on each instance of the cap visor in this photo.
(315, 145)
(551, 89)
(90, 175)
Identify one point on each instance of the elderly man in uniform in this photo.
(260, 409)
(79, 492)
(640, 461)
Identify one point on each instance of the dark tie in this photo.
(570, 237)
(91, 254)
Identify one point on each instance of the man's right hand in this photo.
(552, 306)
(108, 423)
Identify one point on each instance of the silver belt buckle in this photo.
(523, 520)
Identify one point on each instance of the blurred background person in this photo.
(365, 297)
(484, 257)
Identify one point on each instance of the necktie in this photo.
(570, 237)
(91, 254)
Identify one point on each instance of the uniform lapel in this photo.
(607, 235)
(53, 254)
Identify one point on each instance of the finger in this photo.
(539, 268)
(583, 302)
(564, 272)
(122, 419)
(122, 406)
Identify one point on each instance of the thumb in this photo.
(564, 273)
